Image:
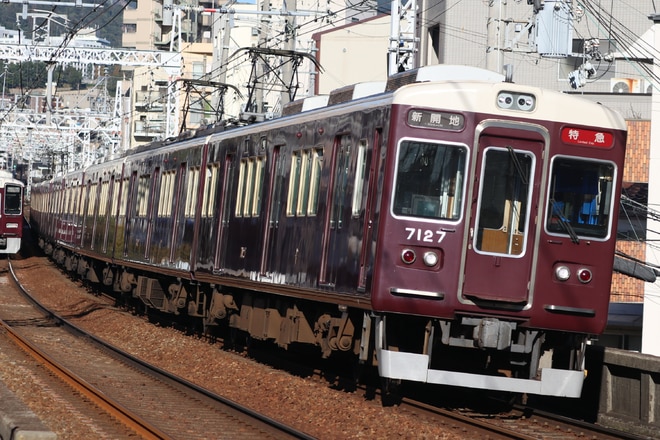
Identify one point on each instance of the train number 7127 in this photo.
(425, 235)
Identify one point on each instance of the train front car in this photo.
(11, 213)
(498, 236)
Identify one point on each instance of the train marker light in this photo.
(408, 256)
(430, 259)
(516, 101)
(585, 276)
(12, 225)
(505, 100)
(562, 273)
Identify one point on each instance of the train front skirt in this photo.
(414, 367)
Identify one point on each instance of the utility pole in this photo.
(651, 329)
(287, 70)
(404, 41)
(261, 69)
(255, 108)
(495, 34)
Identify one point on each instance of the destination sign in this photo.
(431, 119)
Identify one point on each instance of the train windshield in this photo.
(580, 198)
(13, 202)
(429, 180)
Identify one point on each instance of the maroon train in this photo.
(11, 213)
(458, 231)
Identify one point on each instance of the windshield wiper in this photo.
(565, 224)
(516, 162)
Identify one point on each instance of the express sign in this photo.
(587, 138)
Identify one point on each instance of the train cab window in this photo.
(13, 202)
(579, 204)
(504, 201)
(429, 180)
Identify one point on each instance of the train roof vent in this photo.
(442, 72)
(356, 91)
(305, 104)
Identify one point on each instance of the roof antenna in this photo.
(508, 73)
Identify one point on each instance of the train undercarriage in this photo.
(467, 351)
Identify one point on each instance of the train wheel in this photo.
(391, 392)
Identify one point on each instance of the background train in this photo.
(11, 213)
(448, 226)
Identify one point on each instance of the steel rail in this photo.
(114, 409)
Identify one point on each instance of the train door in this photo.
(224, 212)
(129, 218)
(95, 211)
(86, 218)
(273, 209)
(178, 212)
(334, 221)
(154, 181)
(372, 188)
(500, 248)
(110, 203)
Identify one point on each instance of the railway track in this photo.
(455, 421)
(145, 400)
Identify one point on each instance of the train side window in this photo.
(294, 182)
(360, 174)
(115, 199)
(240, 192)
(429, 180)
(80, 202)
(304, 182)
(208, 202)
(259, 166)
(503, 201)
(124, 197)
(250, 184)
(303, 186)
(143, 195)
(166, 193)
(191, 196)
(90, 192)
(103, 199)
(580, 200)
(163, 194)
(67, 198)
(314, 181)
(13, 203)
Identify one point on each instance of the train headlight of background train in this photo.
(562, 273)
(12, 226)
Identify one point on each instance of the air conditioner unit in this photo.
(626, 85)
(647, 87)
